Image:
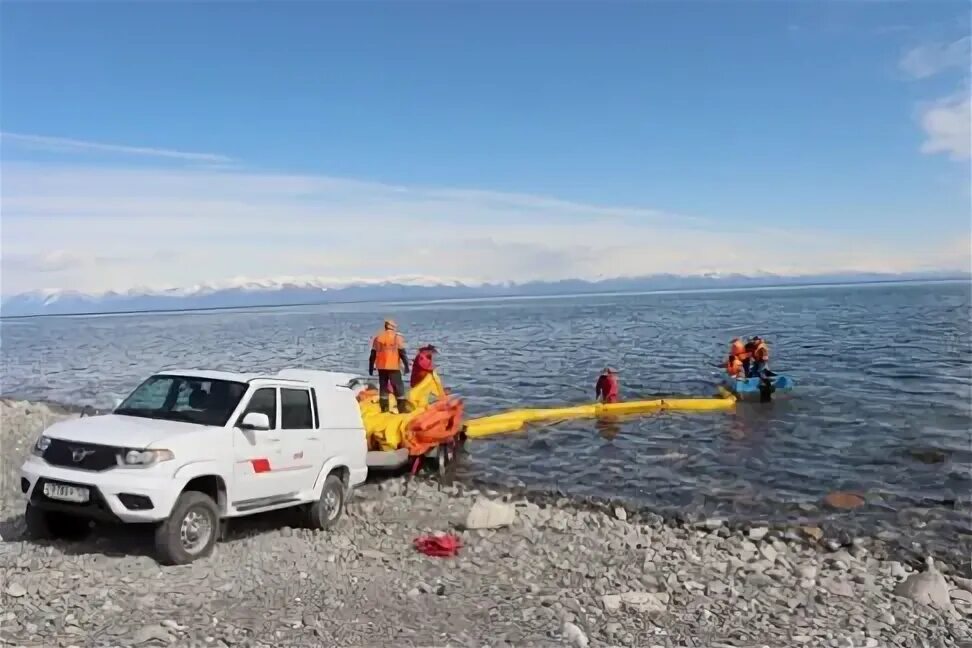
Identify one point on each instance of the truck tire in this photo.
(324, 513)
(51, 525)
(191, 530)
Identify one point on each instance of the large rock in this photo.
(574, 635)
(489, 514)
(928, 588)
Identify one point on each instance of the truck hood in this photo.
(117, 430)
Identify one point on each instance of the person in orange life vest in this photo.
(387, 356)
(760, 355)
(738, 350)
(422, 365)
(607, 388)
(734, 367)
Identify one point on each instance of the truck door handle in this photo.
(313, 438)
(273, 438)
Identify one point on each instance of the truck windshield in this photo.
(184, 398)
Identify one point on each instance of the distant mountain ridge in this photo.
(290, 292)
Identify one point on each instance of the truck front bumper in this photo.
(117, 495)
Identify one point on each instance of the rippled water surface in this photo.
(882, 405)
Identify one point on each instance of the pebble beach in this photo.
(537, 571)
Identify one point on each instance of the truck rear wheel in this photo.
(191, 530)
(324, 513)
(44, 525)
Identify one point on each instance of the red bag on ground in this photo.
(440, 546)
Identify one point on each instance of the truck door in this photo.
(258, 455)
(303, 451)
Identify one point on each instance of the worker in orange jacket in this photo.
(760, 356)
(739, 350)
(388, 356)
(734, 367)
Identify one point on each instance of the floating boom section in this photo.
(513, 420)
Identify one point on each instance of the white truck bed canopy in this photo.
(321, 379)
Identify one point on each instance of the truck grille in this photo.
(86, 456)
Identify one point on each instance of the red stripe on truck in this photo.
(260, 465)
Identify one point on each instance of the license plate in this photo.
(66, 493)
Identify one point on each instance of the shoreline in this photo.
(561, 572)
(828, 535)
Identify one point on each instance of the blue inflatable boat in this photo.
(755, 389)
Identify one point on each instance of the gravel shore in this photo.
(558, 575)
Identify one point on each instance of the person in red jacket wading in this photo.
(607, 388)
(423, 364)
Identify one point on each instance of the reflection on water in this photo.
(882, 403)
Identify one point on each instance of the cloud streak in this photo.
(101, 228)
(931, 59)
(946, 123)
(62, 145)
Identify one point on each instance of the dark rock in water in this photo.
(928, 455)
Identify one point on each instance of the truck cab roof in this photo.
(311, 377)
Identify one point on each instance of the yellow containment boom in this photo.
(513, 420)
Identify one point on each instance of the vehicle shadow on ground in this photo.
(137, 540)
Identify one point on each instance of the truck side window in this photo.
(263, 401)
(296, 409)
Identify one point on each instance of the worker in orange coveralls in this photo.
(387, 356)
(607, 388)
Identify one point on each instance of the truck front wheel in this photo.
(191, 530)
(324, 513)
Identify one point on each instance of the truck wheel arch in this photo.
(205, 478)
(336, 466)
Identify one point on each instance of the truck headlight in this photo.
(143, 458)
(41, 445)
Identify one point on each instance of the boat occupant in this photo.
(738, 350)
(607, 388)
(423, 365)
(760, 355)
(387, 356)
(735, 367)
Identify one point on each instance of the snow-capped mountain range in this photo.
(288, 291)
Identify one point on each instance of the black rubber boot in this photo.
(404, 407)
(383, 404)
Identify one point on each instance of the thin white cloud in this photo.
(62, 144)
(945, 121)
(931, 59)
(96, 229)
(947, 127)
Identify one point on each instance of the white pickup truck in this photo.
(189, 449)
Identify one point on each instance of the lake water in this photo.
(882, 406)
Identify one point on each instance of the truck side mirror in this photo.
(255, 421)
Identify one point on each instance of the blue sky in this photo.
(479, 141)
